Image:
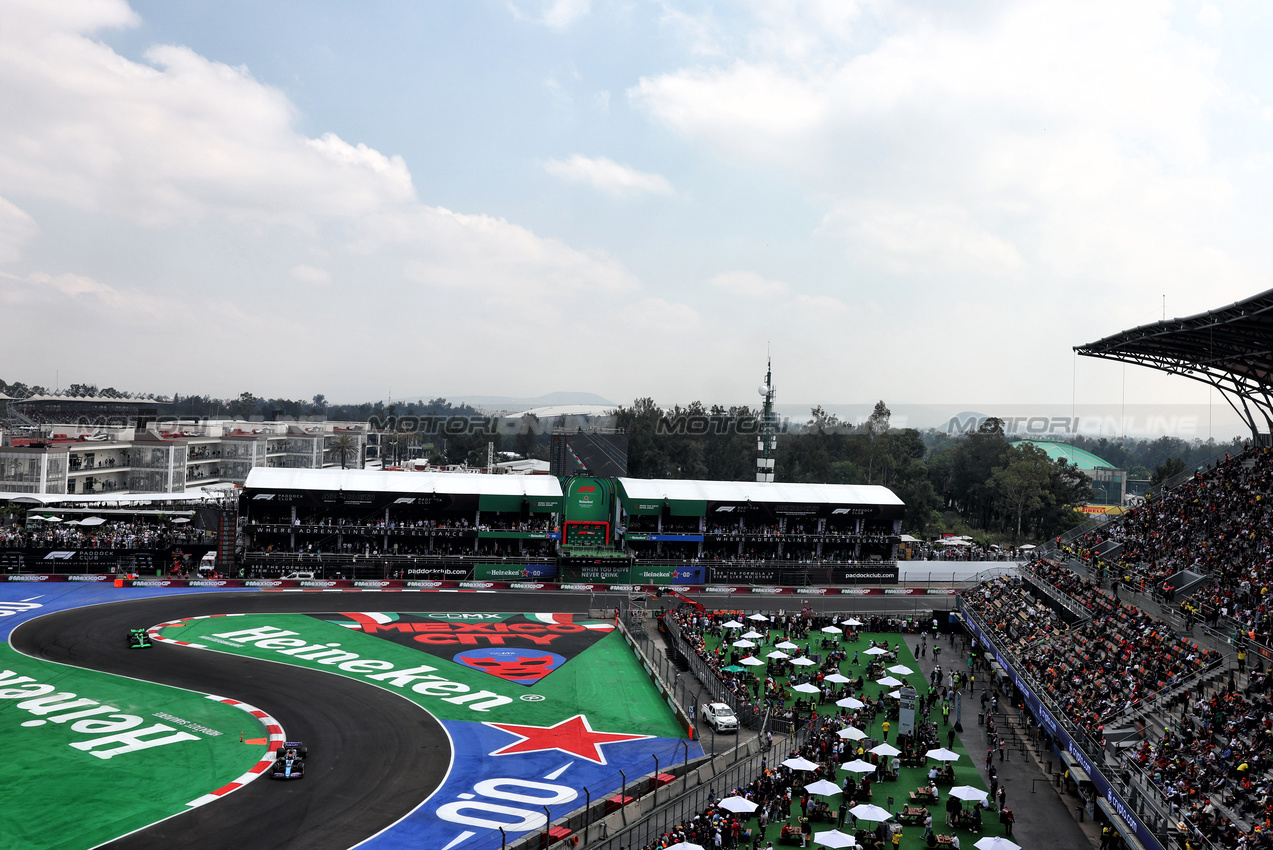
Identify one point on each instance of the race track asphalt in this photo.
(373, 756)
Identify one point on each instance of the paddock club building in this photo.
(360, 524)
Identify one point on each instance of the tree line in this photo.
(980, 480)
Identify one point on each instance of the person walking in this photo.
(885, 726)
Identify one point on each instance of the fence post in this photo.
(623, 797)
(587, 813)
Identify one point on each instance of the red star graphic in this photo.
(573, 736)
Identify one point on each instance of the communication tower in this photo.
(767, 442)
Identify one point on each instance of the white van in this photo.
(298, 575)
(208, 562)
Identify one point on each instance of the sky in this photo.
(920, 202)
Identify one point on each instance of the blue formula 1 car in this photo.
(289, 761)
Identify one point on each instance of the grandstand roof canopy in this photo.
(374, 481)
(1230, 348)
(1074, 456)
(696, 498)
(752, 491)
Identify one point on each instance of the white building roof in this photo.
(376, 481)
(197, 494)
(755, 491)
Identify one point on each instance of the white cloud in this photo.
(821, 307)
(173, 140)
(557, 14)
(748, 285)
(71, 294)
(1031, 138)
(659, 317)
(917, 240)
(310, 275)
(203, 166)
(751, 110)
(16, 230)
(609, 176)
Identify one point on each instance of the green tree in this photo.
(245, 407)
(1169, 468)
(1020, 486)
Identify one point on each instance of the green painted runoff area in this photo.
(909, 778)
(605, 679)
(74, 774)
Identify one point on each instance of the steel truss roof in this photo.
(1230, 349)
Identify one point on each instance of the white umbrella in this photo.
(733, 624)
(823, 788)
(802, 662)
(834, 839)
(686, 845)
(777, 653)
(850, 702)
(886, 750)
(901, 670)
(1026, 546)
(851, 733)
(800, 763)
(786, 644)
(995, 842)
(967, 792)
(867, 811)
(807, 688)
(877, 650)
(759, 618)
(738, 804)
(858, 766)
(833, 630)
(178, 521)
(838, 678)
(889, 682)
(743, 643)
(751, 661)
(752, 634)
(895, 694)
(51, 519)
(96, 520)
(943, 754)
(853, 621)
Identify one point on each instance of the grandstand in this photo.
(589, 528)
(765, 532)
(1143, 646)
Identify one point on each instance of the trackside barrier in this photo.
(423, 584)
(662, 673)
(646, 819)
(1148, 822)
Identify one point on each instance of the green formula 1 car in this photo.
(138, 639)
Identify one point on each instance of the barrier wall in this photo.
(422, 584)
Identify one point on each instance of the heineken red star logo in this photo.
(573, 736)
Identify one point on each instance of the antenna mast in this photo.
(768, 440)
